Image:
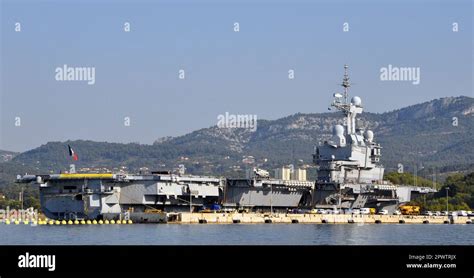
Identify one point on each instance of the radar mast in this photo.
(350, 109)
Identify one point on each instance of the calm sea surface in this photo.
(235, 234)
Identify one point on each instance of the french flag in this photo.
(72, 153)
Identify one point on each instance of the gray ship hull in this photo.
(111, 196)
(266, 194)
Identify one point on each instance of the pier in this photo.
(261, 218)
(284, 218)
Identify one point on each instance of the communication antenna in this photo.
(341, 101)
(346, 84)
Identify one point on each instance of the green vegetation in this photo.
(460, 194)
(10, 196)
(409, 179)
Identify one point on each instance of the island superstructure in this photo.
(350, 174)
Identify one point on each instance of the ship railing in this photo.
(291, 183)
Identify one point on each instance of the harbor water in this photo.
(238, 234)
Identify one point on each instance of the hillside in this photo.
(421, 134)
(6, 156)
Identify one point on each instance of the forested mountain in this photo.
(437, 134)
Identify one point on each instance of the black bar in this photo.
(315, 259)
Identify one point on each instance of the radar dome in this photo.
(369, 135)
(356, 101)
(338, 130)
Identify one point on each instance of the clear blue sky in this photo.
(239, 73)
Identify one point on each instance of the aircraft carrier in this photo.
(349, 175)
